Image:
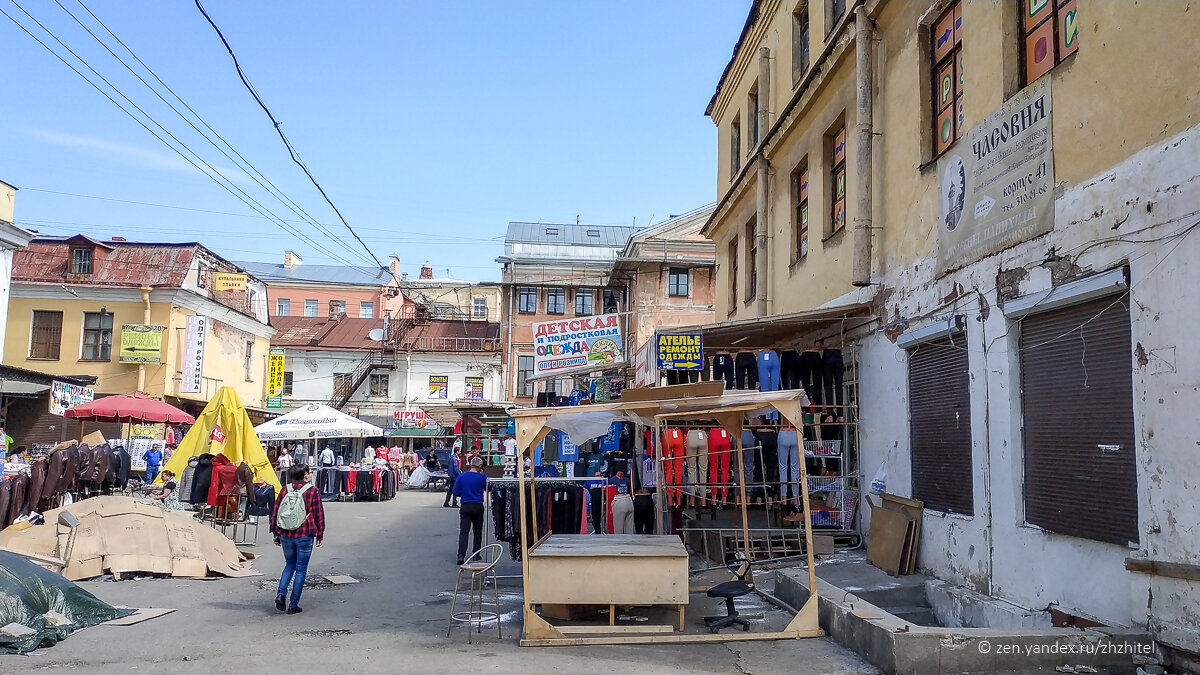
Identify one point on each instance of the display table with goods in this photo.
(570, 570)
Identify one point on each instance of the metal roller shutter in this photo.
(939, 402)
(1077, 403)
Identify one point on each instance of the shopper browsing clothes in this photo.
(452, 473)
(470, 488)
(298, 522)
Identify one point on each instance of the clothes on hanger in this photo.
(833, 371)
(812, 370)
(746, 366)
(723, 369)
(789, 463)
(789, 369)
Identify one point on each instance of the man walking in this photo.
(297, 521)
(470, 488)
(452, 473)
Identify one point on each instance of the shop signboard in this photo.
(141, 343)
(64, 396)
(143, 431)
(473, 390)
(680, 352)
(997, 185)
(577, 345)
(275, 379)
(193, 355)
(228, 282)
(416, 419)
(439, 386)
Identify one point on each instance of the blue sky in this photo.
(430, 124)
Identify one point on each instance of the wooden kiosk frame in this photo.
(695, 401)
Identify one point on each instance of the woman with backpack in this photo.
(298, 522)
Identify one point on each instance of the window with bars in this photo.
(97, 336)
(945, 46)
(479, 308)
(585, 301)
(81, 261)
(527, 301)
(837, 181)
(283, 307)
(556, 301)
(751, 259)
(1050, 32)
(800, 224)
(677, 282)
(45, 338)
(524, 372)
(800, 42)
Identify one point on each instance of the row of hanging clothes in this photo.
(560, 507)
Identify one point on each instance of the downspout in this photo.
(764, 117)
(141, 386)
(864, 116)
(407, 380)
(508, 346)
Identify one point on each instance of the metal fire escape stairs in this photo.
(382, 358)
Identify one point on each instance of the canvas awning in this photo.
(780, 331)
(315, 421)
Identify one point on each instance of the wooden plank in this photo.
(615, 630)
(1162, 568)
(695, 390)
(675, 638)
(888, 532)
(626, 580)
(613, 545)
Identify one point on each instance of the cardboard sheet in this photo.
(139, 616)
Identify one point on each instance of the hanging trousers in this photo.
(833, 373)
(749, 449)
(789, 463)
(747, 370)
(718, 462)
(789, 369)
(769, 440)
(674, 448)
(697, 461)
(722, 369)
(812, 370)
(643, 514)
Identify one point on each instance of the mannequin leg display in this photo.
(697, 449)
(789, 369)
(833, 374)
(769, 440)
(748, 453)
(718, 463)
(722, 369)
(747, 370)
(674, 447)
(789, 465)
(768, 375)
(812, 371)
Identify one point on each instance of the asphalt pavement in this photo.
(393, 621)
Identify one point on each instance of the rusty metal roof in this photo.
(114, 263)
(315, 332)
(457, 329)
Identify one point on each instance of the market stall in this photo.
(640, 569)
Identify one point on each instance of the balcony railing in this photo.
(450, 344)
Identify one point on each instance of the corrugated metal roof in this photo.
(568, 234)
(114, 264)
(321, 332)
(457, 329)
(320, 274)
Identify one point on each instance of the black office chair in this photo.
(730, 590)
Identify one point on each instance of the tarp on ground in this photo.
(123, 535)
(315, 421)
(224, 428)
(45, 603)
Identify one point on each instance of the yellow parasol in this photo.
(224, 428)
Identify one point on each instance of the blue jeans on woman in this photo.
(296, 552)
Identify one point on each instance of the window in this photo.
(800, 40)
(528, 302)
(81, 261)
(837, 179)
(800, 190)
(837, 9)
(751, 259)
(735, 148)
(479, 308)
(97, 336)
(1051, 34)
(45, 338)
(310, 308)
(939, 425)
(1077, 410)
(945, 42)
(752, 118)
(733, 274)
(612, 301)
(366, 310)
(556, 301)
(249, 360)
(288, 379)
(677, 282)
(337, 307)
(585, 299)
(378, 385)
(524, 372)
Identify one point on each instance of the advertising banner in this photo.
(414, 419)
(224, 281)
(577, 345)
(473, 391)
(439, 386)
(143, 431)
(64, 396)
(275, 378)
(193, 355)
(141, 343)
(680, 352)
(997, 185)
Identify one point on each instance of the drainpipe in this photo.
(407, 379)
(141, 386)
(508, 345)
(861, 271)
(764, 121)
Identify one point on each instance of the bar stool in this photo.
(480, 569)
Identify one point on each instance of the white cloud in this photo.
(132, 154)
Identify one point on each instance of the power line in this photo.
(279, 130)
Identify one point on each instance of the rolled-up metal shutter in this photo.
(939, 400)
(1077, 403)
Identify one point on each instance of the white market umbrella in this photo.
(315, 421)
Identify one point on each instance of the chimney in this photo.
(426, 271)
(404, 276)
(290, 260)
(336, 310)
(394, 265)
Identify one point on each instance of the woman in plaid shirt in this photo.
(298, 543)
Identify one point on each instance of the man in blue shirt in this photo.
(153, 458)
(452, 472)
(470, 487)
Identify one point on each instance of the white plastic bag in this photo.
(419, 477)
(879, 482)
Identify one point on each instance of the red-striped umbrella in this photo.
(132, 408)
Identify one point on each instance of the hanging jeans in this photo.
(697, 462)
(833, 372)
(789, 369)
(749, 449)
(622, 513)
(643, 514)
(789, 463)
(812, 370)
(769, 440)
(747, 370)
(768, 376)
(718, 462)
(296, 553)
(722, 369)
(674, 448)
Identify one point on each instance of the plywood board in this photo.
(339, 579)
(613, 545)
(624, 580)
(696, 390)
(889, 529)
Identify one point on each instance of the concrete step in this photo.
(922, 615)
(898, 595)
